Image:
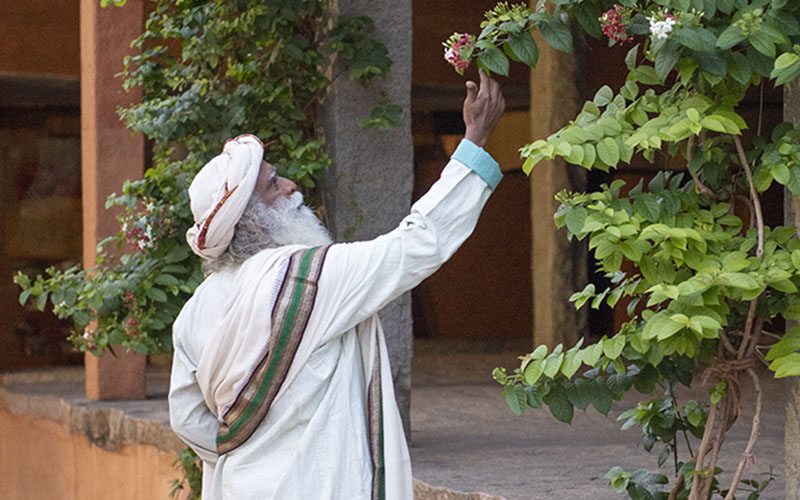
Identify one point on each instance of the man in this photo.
(281, 380)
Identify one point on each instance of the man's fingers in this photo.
(472, 90)
(483, 78)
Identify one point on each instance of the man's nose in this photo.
(289, 187)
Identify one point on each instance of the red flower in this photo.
(614, 22)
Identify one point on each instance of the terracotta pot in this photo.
(115, 377)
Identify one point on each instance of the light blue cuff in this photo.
(481, 162)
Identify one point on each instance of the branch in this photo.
(673, 494)
(723, 337)
(724, 425)
(748, 329)
(697, 182)
(701, 452)
(753, 435)
(756, 338)
(753, 195)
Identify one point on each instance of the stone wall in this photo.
(368, 190)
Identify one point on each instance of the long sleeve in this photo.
(358, 279)
(189, 416)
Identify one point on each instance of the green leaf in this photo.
(711, 62)
(591, 354)
(785, 286)
(608, 151)
(730, 37)
(156, 294)
(524, 48)
(786, 366)
(588, 15)
(495, 61)
(572, 362)
(738, 67)
(23, 297)
(41, 301)
(540, 352)
(763, 43)
(786, 59)
(580, 393)
(738, 280)
(167, 280)
(559, 405)
(603, 96)
(516, 399)
(666, 60)
(796, 259)
(713, 124)
(648, 205)
(534, 371)
(784, 347)
(630, 57)
(553, 364)
(575, 219)
(556, 34)
(661, 326)
(612, 348)
(602, 398)
(589, 155)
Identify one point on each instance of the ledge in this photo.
(58, 394)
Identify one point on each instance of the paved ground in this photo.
(465, 438)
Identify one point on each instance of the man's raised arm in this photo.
(360, 278)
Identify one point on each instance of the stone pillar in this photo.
(109, 156)
(558, 266)
(791, 113)
(368, 189)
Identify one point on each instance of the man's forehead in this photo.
(267, 169)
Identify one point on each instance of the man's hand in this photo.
(482, 109)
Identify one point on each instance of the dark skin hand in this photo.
(482, 108)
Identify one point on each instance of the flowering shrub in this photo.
(703, 286)
(615, 23)
(458, 50)
(661, 24)
(208, 71)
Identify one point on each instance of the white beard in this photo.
(285, 222)
(289, 222)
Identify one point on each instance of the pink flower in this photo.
(614, 23)
(133, 322)
(458, 50)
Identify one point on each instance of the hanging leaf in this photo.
(524, 47)
(494, 60)
(556, 34)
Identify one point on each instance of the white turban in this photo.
(219, 194)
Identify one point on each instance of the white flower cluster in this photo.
(660, 30)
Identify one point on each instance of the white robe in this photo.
(313, 442)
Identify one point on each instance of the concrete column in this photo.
(558, 266)
(109, 156)
(368, 190)
(791, 113)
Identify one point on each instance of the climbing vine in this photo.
(208, 71)
(707, 281)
